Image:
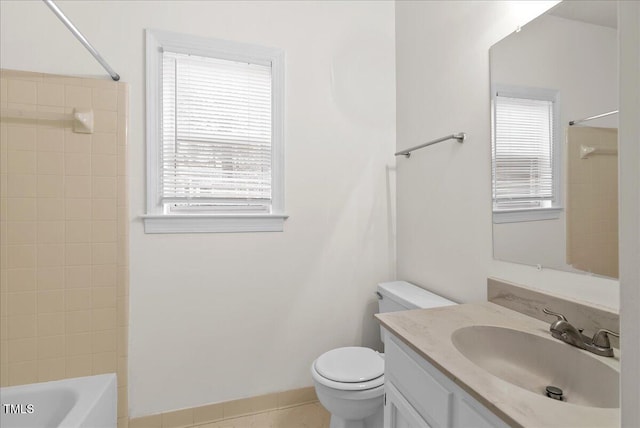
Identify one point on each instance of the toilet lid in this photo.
(350, 364)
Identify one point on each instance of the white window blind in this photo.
(522, 153)
(216, 134)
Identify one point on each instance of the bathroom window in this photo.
(214, 136)
(525, 155)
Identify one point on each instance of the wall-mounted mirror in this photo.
(555, 185)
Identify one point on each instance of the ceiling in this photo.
(601, 12)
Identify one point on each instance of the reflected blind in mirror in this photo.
(522, 153)
(216, 134)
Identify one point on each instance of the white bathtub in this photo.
(80, 402)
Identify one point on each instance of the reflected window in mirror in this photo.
(525, 154)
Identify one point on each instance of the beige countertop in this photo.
(428, 332)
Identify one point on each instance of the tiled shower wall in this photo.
(64, 238)
(592, 201)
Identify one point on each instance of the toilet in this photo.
(349, 381)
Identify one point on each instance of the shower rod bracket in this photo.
(460, 137)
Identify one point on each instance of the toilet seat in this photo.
(351, 368)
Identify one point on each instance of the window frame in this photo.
(531, 214)
(155, 219)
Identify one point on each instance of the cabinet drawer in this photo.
(431, 400)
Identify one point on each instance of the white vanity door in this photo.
(398, 413)
(418, 392)
(470, 414)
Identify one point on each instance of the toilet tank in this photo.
(402, 296)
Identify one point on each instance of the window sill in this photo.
(221, 223)
(517, 216)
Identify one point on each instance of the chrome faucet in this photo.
(561, 329)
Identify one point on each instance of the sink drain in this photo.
(554, 392)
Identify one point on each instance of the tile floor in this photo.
(311, 415)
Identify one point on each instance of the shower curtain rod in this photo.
(54, 7)
(609, 113)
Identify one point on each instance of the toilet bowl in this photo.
(349, 383)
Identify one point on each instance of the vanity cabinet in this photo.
(417, 395)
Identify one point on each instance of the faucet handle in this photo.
(560, 316)
(601, 338)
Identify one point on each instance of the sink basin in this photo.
(533, 363)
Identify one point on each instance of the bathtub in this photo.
(80, 402)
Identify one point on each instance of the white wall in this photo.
(216, 317)
(540, 242)
(629, 167)
(580, 61)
